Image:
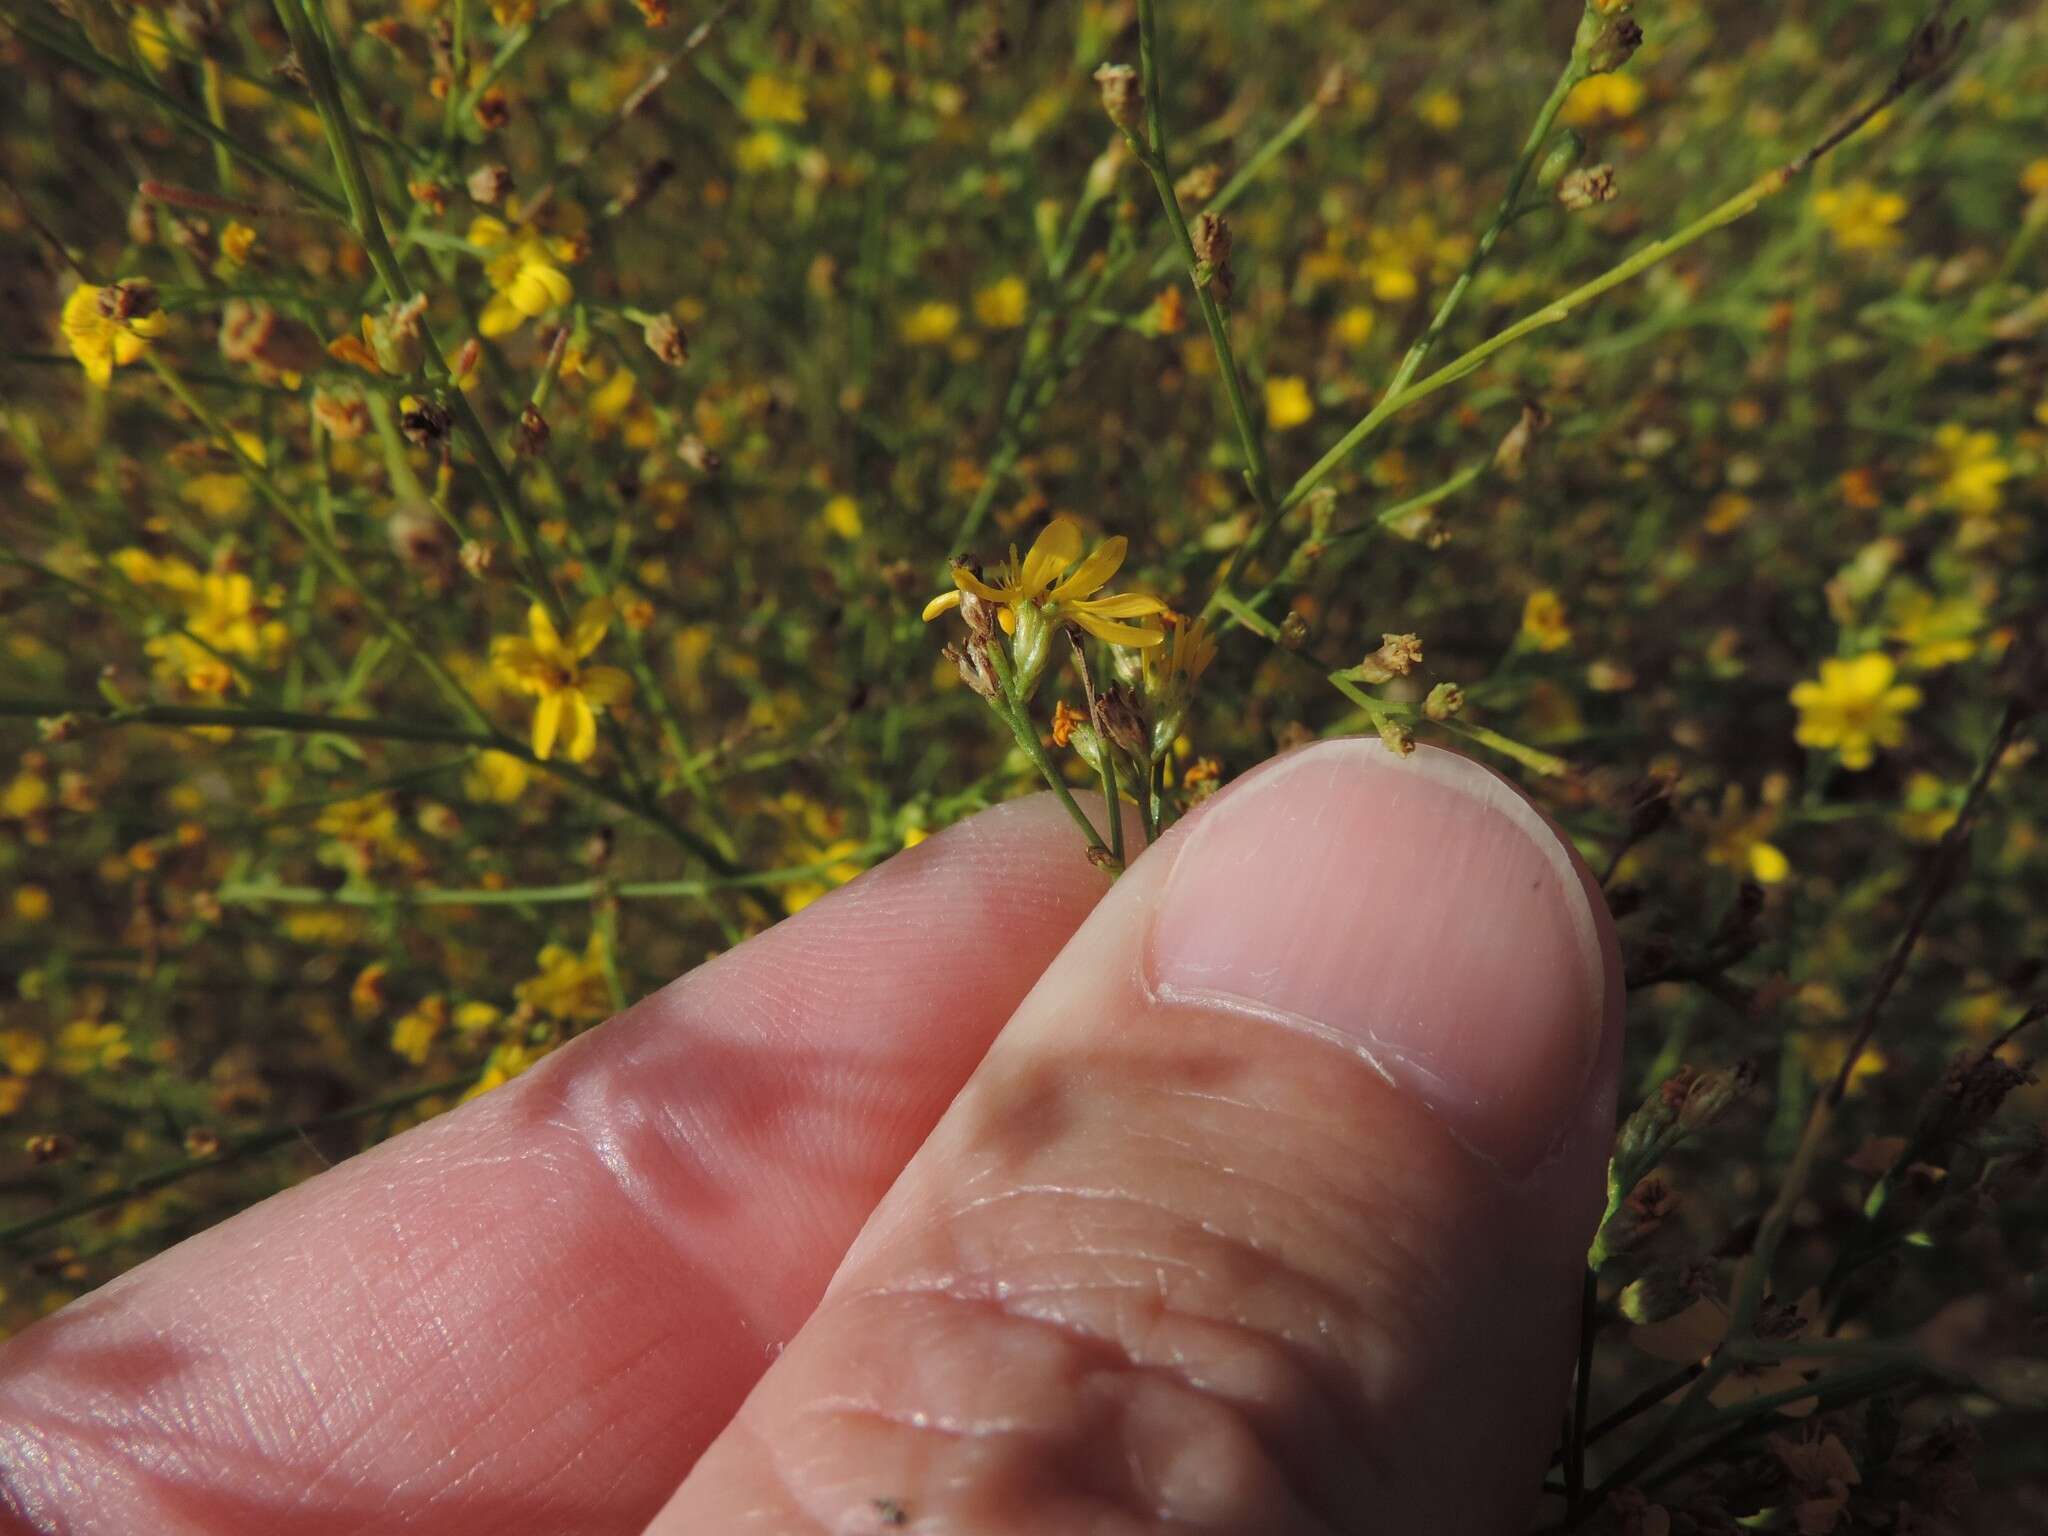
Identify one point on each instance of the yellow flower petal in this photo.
(967, 581)
(592, 620)
(1058, 547)
(501, 317)
(547, 640)
(606, 686)
(581, 727)
(1118, 634)
(945, 602)
(1093, 573)
(1124, 605)
(547, 723)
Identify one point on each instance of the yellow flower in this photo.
(1392, 282)
(1602, 98)
(100, 343)
(1001, 305)
(1856, 707)
(1355, 325)
(1053, 577)
(526, 275)
(236, 243)
(1737, 839)
(1288, 402)
(22, 1053)
(1440, 110)
(506, 1062)
(1822, 1056)
(841, 515)
(1860, 217)
(152, 41)
(555, 672)
(496, 778)
(931, 324)
(796, 897)
(569, 986)
(2034, 178)
(221, 495)
(86, 1044)
(767, 99)
(414, 1034)
(26, 794)
(760, 151)
(1543, 618)
(1972, 469)
(31, 903)
(1930, 808)
(1937, 631)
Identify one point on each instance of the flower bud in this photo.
(1397, 656)
(1444, 702)
(1123, 98)
(1564, 155)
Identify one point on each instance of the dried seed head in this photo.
(1120, 718)
(1586, 187)
(489, 183)
(665, 339)
(424, 544)
(46, 1147)
(1212, 256)
(1122, 96)
(1397, 656)
(530, 434)
(479, 557)
(975, 671)
(343, 417)
(1615, 46)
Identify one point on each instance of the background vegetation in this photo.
(738, 323)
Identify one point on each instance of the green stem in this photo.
(86, 58)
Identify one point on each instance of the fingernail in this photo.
(1416, 911)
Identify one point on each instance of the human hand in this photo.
(1262, 1207)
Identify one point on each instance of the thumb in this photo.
(1265, 1213)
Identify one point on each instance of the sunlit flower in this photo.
(1859, 216)
(556, 672)
(87, 1045)
(1544, 626)
(1972, 467)
(1288, 402)
(1937, 631)
(767, 99)
(1002, 304)
(1738, 838)
(930, 324)
(1855, 707)
(525, 274)
(497, 778)
(100, 342)
(569, 984)
(414, 1034)
(1055, 579)
(1602, 99)
(841, 516)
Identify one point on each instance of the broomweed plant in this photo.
(472, 473)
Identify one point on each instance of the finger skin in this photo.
(1167, 1266)
(534, 1312)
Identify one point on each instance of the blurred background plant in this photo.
(473, 472)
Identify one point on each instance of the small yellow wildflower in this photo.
(86, 1045)
(1393, 282)
(841, 515)
(1738, 838)
(1602, 99)
(2034, 178)
(237, 242)
(151, 39)
(26, 794)
(1822, 1056)
(99, 342)
(762, 150)
(1859, 216)
(526, 274)
(31, 902)
(555, 672)
(1355, 326)
(22, 1053)
(1973, 470)
(1053, 577)
(1930, 808)
(1441, 110)
(1288, 402)
(767, 99)
(496, 778)
(569, 985)
(414, 1034)
(1544, 626)
(796, 897)
(930, 324)
(1002, 304)
(1856, 707)
(506, 1062)
(1936, 631)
